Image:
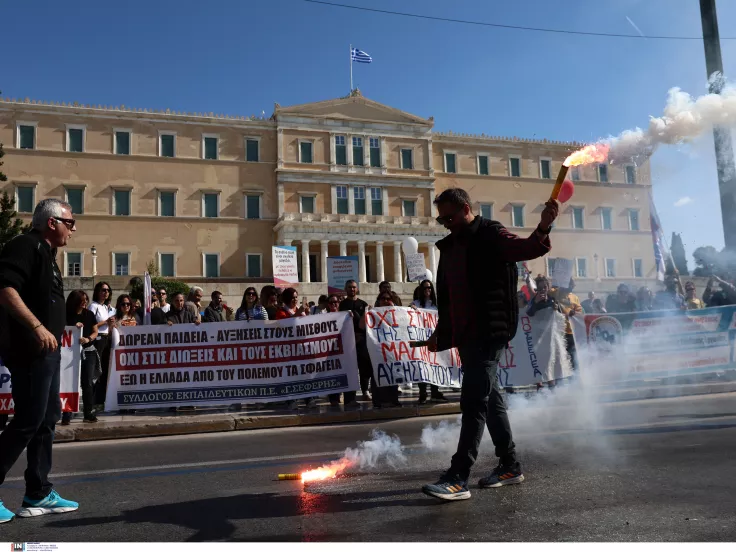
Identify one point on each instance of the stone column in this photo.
(343, 248)
(432, 260)
(280, 197)
(94, 265)
(380, 270)
(430, 160)
(361, 261)
(432, 206)
(398, 270)
(366, 152)
(351, 200)
(333, 158)
(305, 261)
(323, 255)
(280, 146)
(349, 146)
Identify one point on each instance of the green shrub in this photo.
(172, 287)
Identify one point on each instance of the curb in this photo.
(670, 391)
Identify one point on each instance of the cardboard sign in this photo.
(285, 268)
(415, 267)
(561, 272)
(339, 271)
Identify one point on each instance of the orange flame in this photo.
(326, 472)
(593, 153)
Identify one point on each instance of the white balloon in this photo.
(429, 275)
(410, 245)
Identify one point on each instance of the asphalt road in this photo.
(656, 470)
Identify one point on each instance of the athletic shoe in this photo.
(448, 488)
(52, 504)
(503, 475)
(5, 514)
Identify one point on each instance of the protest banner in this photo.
(655, 344)
(536, 354)
(415, 266)
(71, 357)
(339, 271)
(561, 272)
(232, 362)
(285, 268)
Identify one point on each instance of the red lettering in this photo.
(389, 348)
(370, 319)
(382, 317)
(411, 314)
(66, 338)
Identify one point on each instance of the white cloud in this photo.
(683, 201)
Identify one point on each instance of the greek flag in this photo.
(360, 56)
(658, 240)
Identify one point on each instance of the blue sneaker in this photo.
(502, 475)
(52, 504)
(5, 514)
(449, 487)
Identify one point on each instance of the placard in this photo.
(285, 267)
(415, 267)
(339, 271)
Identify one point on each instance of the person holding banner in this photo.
(478, 314)
(32, 322)
(357, 307)
(105, 314)
(425, 298)
(250, 308)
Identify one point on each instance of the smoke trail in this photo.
(684, 119)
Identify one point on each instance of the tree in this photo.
(10, 226)
(678, 254)
(708, 261)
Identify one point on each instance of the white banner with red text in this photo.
(71, 358)
(232, 362)
(536, 354)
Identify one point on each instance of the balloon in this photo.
(566, 191)
(428, 275)
(410, 245)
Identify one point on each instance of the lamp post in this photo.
(93, 250)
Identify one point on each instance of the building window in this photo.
(307, 204)
(634, 220)
(517, 216)
(75, 138)
(602, 172)
(211, 265)
(630, 173)
(341, 193)
(486, 210)
(515, 166)
(252, 150)
(545, 168)
(253, 206)
(375, 152)
(575, 173)
(359, 200)
(581, 266)
(450, 163)
(305, 152)
(210, 207)
(638, 268)
(577, 218)
(253, 265)
(167, 204)
(122, 203)
(483, 164)
(610, 268)
(341, 152)
(167, 145)
(377, 201)
(121, 263)
(75, 198)
(26, 136)
(25, 199)
(122, 142)
(407, 158)
(166, 265)
(210, 147)
(73, 264)
(358, 151)
(409, 207)
(606, 220)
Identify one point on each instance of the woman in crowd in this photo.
(425, 298)
(385, 395)
(542, 299)
(78, 315)
(105, 316)
(126, 313)
(270, 300)
(333, 303)
(597, 306)
(644, 300)
(290, 305)
(250, 308)
(691, 301)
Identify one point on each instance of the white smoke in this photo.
(684, 119)
(382, 449)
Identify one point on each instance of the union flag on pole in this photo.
(660, 250)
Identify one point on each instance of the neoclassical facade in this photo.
(206, 196)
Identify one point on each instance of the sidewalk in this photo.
(154, 423)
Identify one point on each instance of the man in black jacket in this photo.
(478, 313)
(33, 319)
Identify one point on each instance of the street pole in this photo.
(721, 136)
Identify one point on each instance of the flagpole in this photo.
(351, 68)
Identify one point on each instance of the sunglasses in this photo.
(162, 293)
(427, 287)
(444, 221)
(334, 302)
(69, 223)
(105, 290)
(251, 293)
(125, 304)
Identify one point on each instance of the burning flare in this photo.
(327, 472)
(593, 153)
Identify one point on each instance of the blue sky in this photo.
(241, 56)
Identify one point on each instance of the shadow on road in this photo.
(211, 517)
